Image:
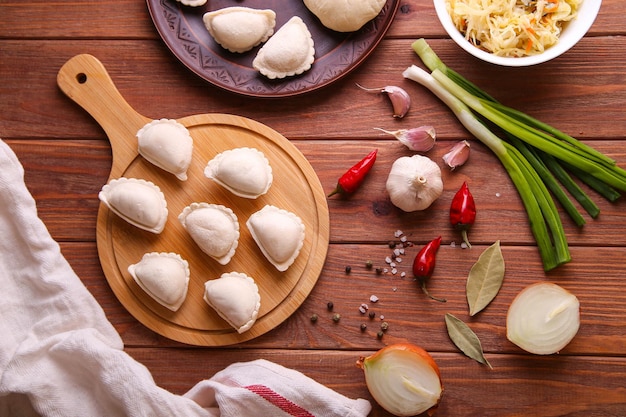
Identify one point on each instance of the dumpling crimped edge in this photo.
(132, 270)
(147, 185)
(182, 218)
(250, 283)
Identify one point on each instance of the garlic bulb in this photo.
(414, 182)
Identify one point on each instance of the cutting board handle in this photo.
(85, 80)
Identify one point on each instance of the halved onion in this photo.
(543, 318)
(403, 379)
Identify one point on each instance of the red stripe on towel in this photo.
(279, 401)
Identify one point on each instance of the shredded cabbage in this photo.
(512, 28)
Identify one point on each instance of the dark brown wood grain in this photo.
(67, 159)
(559, 89)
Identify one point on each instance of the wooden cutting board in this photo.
(296, 188)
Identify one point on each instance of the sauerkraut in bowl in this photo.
(517, 32)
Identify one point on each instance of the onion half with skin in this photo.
(543, 318)
(403, 379)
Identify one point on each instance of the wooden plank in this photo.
(568, 93)
(65, 177)
(595, 277)
(131, 20)
(69, 208)
(77, 19)
(518, 384)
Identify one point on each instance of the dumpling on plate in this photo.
(193, 3)
(245, 172)
(214, 228)
(235, 297)
(345, 15)
(166, 144)
(240, 29)
(139, 202)
(279, 234)
(290, 51)
(164, 277)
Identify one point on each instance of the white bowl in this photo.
(571, 34)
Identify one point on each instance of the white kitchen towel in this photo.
(60, 356)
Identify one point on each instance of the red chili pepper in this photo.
(463, 212)
(424, 265)
(352, 179)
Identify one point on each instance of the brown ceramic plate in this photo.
(337, 54)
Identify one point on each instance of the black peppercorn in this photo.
(330, 306)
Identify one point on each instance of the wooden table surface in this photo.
(67, 159)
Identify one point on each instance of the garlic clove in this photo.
(403, 379)
(414, 183)
(418, 139)
(458, 155)
(400, 99)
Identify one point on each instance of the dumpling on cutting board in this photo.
(164, 277)
(235, 297)
(278, 233)
(345, 15)
(240, 29)
(166, 144)
(290, 51)
(214, 228)
(245, 172)
(139, 202)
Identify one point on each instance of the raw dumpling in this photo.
(345, 15)
(214, 228)
(168, 145)
(164, 277)
(245, 172)
(278, 233)
(192, 3)
(235, 297)
(289, 52)
(139, 202)
(240, 29)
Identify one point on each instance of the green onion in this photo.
(534, 154)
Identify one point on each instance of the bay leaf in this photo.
(485, 279)
(465, 339)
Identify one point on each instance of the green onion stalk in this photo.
(537, 157)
